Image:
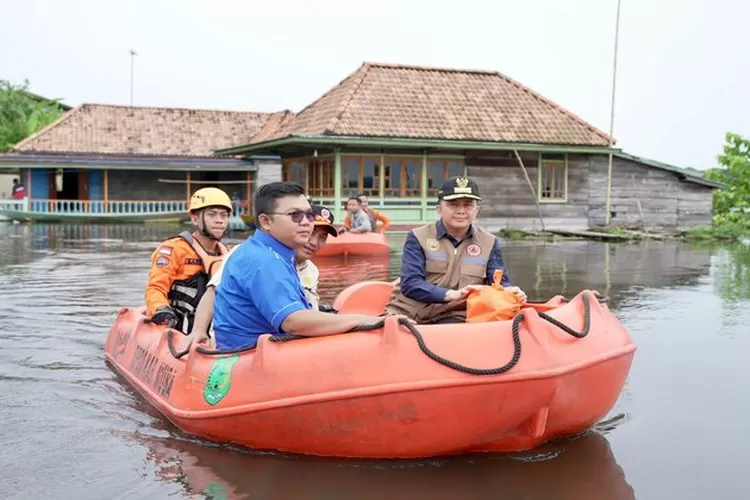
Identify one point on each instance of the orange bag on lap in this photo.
(492, 303)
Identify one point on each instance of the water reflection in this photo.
(101, 238)
(545, 269)
(337, 273)
(583, 468)
(733, 272)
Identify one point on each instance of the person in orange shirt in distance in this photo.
(373, 214)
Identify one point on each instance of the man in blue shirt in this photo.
(260, 291)
(445, 260)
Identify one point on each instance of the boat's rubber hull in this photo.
(376, 394)
(368, 244)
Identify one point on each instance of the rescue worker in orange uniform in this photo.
(182, 266)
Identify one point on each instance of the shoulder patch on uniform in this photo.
(161, 261)
(474, 250)
(164, 250)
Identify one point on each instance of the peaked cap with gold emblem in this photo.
(459, 187)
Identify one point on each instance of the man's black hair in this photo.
(268, 194)
(355, 198)
(15, 180)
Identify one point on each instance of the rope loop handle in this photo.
(566, 328)
(467, 369)
(170, 345)
(515, 331)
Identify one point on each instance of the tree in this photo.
(23, 114)
(732, 204)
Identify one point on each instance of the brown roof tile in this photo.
(383, 100)
(107, 129)
(274, 123)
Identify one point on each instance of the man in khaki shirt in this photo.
(306, 269)
(309, 276)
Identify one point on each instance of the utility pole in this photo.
(133, 53)
(612, 121)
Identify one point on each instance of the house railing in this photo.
(399, 210)
(118, 206)
(12, 204)
(113, 207)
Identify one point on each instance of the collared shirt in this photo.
(308, 272)
(377, 215)
(413, 283)
(309, 276)
(259, 288)
(360, 220)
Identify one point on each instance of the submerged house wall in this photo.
(641, 195)
(666, 200)
(149, 185)
(508, 201)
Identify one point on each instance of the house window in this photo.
(553, 177)
(403, 177)
(294, 171)
(320, 177)
(350, 176)
(440, 170)
(360, 174)
(316, 175)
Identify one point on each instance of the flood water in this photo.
(71, 428)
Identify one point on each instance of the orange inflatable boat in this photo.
(356, 244)
(395, 391)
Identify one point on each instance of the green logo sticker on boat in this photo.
(217, 384)
(216, 491)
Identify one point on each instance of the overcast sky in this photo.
(683, 67)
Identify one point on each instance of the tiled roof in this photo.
(107, 129)
(382, 100)
(272, 125)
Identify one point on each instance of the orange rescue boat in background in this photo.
(396, 391)
(356, 244)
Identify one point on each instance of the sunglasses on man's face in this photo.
(297, 216)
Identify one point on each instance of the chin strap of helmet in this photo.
(203, 231)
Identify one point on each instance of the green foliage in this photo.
(731, 205)
(720, 231)
(614, 230)
(23, 114)
(512, 234)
